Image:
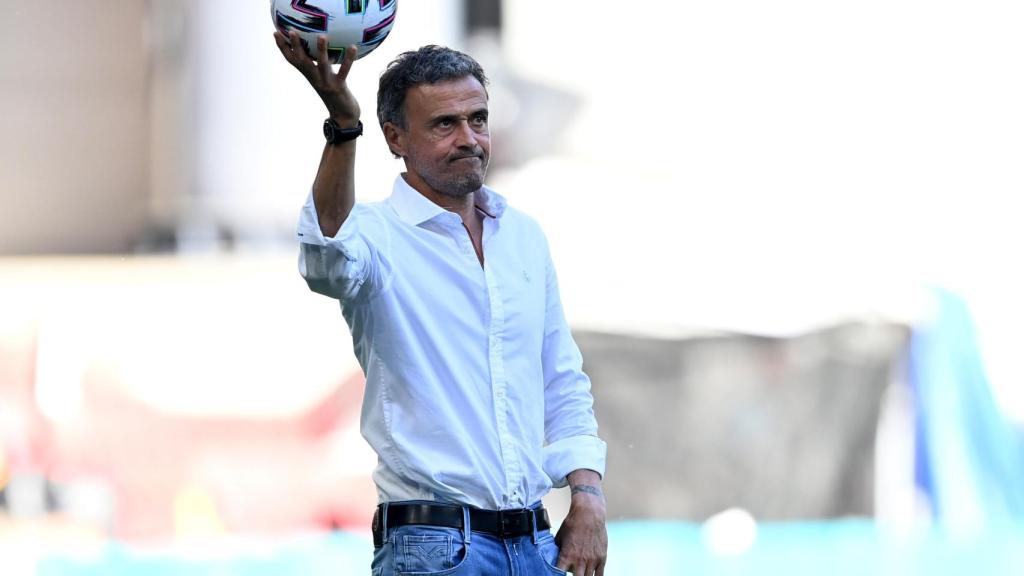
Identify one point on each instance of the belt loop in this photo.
(384, 522)
(533, 524)
(466, 528)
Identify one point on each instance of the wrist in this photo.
(337, 134)
(586, 490)
(345, 116)
(587, 497)
(584, 476)
(588, 502)
(344, 120)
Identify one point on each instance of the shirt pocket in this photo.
(524, 299)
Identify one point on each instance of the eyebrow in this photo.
(482, 110)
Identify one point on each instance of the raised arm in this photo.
(334, 186)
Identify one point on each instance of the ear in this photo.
(395, 137)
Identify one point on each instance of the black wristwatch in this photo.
(336, 134)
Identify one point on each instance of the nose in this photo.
(465, 137)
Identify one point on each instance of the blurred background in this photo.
(785, 234)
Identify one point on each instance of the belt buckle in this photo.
(511, 522)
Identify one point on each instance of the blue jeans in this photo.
(434, 551)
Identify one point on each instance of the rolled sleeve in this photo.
(576, 453)
(569, 423)
(342, 267)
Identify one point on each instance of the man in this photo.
(475, 399)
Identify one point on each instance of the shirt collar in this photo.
(414, 208)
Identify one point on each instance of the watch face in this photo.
(328, 131)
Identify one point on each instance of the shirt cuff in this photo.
(574, 453)
(308, 230)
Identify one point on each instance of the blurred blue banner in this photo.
(970, 457)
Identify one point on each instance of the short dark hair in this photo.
(428, 65)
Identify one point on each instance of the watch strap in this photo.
(335, 134)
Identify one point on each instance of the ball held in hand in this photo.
(365, 23)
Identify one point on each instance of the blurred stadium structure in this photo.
(784, 240)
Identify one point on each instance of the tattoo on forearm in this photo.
(585, 489)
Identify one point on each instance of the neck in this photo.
(461, 205)
(464, 205)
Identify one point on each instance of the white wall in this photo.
(258, 134)
(768, 166)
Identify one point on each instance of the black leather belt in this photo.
(501, 523)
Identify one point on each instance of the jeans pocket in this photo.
(549, 554)
(427, 550)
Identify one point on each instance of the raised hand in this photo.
(334, 186)
(330, 85)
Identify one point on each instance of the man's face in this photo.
(446, 143)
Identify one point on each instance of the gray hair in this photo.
(428, 65)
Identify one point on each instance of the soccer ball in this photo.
(365, 23)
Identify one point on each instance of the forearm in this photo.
(585, 485)
(334, 187)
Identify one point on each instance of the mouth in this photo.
(477, 157)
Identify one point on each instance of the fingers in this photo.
(323, 60)
(299, 47)
(580, 569)
(291, 48)
(346, 61)
(284, 44)
(580, 565)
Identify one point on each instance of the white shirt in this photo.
(475, 392)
